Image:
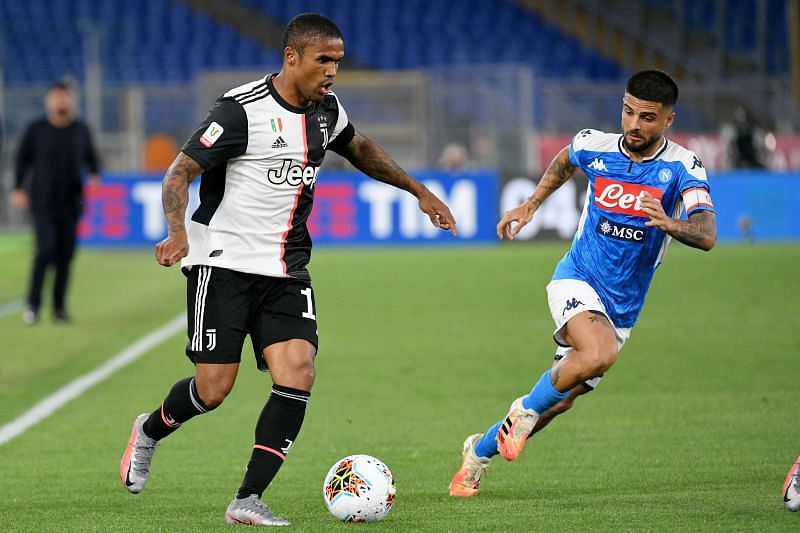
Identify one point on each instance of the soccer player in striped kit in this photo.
(639, 183)
(246, 249)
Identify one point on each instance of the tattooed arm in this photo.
(559, 171)
(175, 198)
(700, 231)
(372, 160)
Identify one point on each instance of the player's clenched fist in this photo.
(172, 249)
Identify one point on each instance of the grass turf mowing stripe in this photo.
(72, 390)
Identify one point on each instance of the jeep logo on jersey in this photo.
(622, 197)
(293, 174)
(622, 232)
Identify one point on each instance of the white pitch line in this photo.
(72, 390)
(11, 307)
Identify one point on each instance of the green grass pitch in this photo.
(693, 429)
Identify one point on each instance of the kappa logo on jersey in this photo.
(622, 197)
(212, 133)
(622, 232)
(211, 336)
(280, 143)
(598, 164)
(293, 174)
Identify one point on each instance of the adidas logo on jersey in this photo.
(598, 164)
(279, 143)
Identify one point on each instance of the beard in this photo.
(641, 145)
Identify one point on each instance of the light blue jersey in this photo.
(613, 251)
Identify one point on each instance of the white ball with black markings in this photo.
(359, 488)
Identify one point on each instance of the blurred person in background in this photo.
(743, 142)
(455, 158)
(54, 153)
(640, 182)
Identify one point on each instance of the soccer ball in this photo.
(359, 488)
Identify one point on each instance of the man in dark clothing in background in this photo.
(52, 155)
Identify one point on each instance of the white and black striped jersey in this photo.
(260, 156)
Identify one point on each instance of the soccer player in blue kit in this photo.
(639, 183)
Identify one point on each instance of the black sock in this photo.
(181, 404)
(276, 431)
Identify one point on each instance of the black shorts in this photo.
(224, 305)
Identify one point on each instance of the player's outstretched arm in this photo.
(559, 171)
(368, 157)
(175, 198)
(700, 231)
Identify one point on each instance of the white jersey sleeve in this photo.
(694, 186)
(590, 140)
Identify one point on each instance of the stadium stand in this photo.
(153, 42)
(424, 33)
(162, 41)
(167, 41)
(147, 67)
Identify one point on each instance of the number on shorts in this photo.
(310, 313)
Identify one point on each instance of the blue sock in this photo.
(487, 446)
(543, 396)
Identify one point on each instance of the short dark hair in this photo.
(653, 86)
(308, 29)
(60, 85)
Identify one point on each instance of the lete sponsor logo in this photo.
(622, 197)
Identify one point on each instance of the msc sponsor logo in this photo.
(622, 232)
(622, 197)
(293, 174)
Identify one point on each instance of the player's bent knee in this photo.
(213, 394)
(598, 360)
(304, 374)
(292, 364)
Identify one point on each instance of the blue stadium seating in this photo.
(161, 41)
(419, 33)
(153, 41)
(739, 31)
